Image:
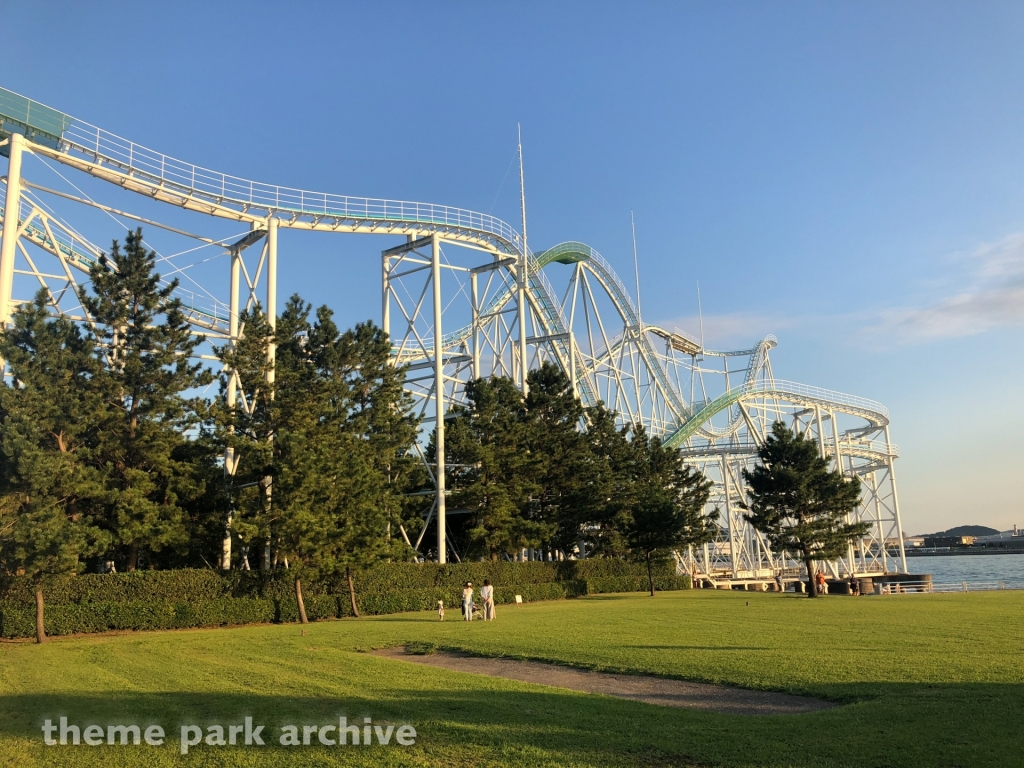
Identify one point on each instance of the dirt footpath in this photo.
(650, 690)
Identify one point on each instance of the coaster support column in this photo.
(8, 246)
(271, 296)
(232, 398)
(521, 277)
(439, 406)
(475, 340)
(895, 503)
(733, 551)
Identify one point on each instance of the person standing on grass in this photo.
(467, 601)
(487, 595)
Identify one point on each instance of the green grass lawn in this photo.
(925, 680)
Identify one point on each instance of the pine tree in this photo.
(148, 344)
(379, 416)
(553, 416)
(321, 455)
(329, 516)
(666, 504)
(346, 429)
(597, 517)
(379, 407)
(52, 489)
(247, 430)
(203, 502)
(801, 505)
(492, 471)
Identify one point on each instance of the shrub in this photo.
(205, 598)
(70, 619)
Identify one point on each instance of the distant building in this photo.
(1008, 536)
(949, 541)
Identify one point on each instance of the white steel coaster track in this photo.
(610, 357)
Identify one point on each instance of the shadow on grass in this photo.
(461, 725)
(697, 647)
(904, 725)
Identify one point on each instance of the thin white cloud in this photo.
(966, 314)
(735, 330)
(984, 290)
(993, 297)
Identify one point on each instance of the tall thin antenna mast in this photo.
(521, 276)
(522, 184)
(700, 314)
(636, 267)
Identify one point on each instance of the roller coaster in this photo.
(476, 276)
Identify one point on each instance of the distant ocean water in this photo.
(957, 568)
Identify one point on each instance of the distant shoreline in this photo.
(965, 551)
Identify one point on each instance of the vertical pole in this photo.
(8, 247)
(385, 315)
(728, 513)
(896, 503)
(475, 296)
(271, 294)
(821, 435)
(271, 349)
(232, 396)
(575, 287)
(860, 518)
(636, 266)
(233, 312)
(439, 409)
(572, 363)
(521, 274)
(839, 467)
(835, 436)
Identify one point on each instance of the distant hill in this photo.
(967, 530)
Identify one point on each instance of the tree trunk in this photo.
(225, 545)
(650, 575)
(809, 565)
(40, 631)
(266, 556)
(133, 557)
(351, 591)
(302, 605)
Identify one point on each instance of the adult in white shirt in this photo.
(487, 595)
(467, 601)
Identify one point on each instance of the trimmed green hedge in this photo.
(162, 614)
(205, 598)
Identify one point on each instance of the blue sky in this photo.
(848, 176)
